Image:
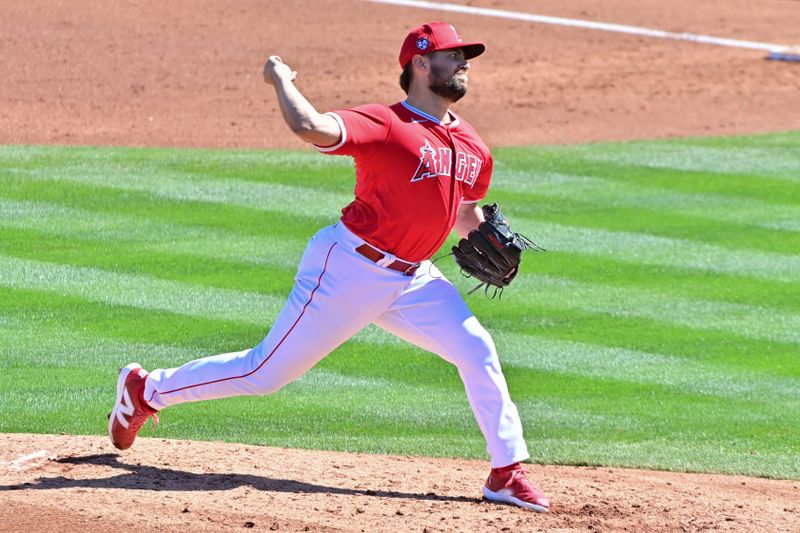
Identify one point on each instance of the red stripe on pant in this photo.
(310, 298)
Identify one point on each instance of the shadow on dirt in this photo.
(145, 477)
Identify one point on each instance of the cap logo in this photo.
(423, 43)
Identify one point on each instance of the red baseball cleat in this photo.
(130, 412)
(510, 485)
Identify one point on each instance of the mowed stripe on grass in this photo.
(609, 193)
(143, 234)
(68, 348)
(659, 329)
(140, 291)
(147, 292)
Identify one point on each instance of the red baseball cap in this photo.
(435, 36)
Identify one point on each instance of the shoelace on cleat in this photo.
(137, 421)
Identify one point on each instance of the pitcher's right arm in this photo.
(301, 117)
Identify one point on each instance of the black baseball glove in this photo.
(492, 252)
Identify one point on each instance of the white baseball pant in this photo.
(338, 292)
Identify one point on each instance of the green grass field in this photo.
(661, 329)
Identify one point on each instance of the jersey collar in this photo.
(426, 116)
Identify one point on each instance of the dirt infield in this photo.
(187, 73)
(165, 485)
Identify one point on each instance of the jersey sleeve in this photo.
(478, 191)
(360, 127)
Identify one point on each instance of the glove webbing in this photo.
(527, 243)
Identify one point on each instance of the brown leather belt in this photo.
(374, 255)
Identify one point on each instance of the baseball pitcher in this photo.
(421, 171)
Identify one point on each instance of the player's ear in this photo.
(420, 62)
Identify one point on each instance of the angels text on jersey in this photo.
(439, 162)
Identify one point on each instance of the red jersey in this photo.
(412, 173)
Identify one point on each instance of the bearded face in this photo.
(448, 80)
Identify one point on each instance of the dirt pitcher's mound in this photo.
(81, 483)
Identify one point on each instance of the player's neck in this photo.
(431, 104)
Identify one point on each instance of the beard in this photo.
(448, 87)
